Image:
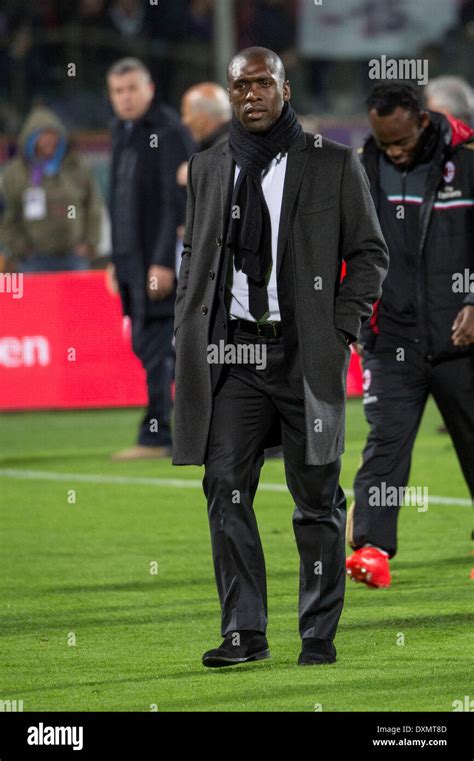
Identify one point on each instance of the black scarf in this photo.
(249, 225)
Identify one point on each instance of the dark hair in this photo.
(385, 97)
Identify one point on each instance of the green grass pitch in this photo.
(86, 626)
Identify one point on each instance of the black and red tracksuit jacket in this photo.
(427, 218)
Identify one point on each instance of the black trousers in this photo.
(394, 400)
(152, 343)
(247, 403)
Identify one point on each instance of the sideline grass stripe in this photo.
(179, 483)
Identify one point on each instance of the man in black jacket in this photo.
(146, 207)
(420, 340)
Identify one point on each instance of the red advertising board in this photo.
(64, 344)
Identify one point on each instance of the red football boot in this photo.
(370, 566)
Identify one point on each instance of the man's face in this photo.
(47, 143)
(256, 94)
(128, 6)
(398, 135)
(130, 94)
(91, 7)
(198, 123)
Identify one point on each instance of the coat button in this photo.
(219, 240)
(212, 274)
(204, 309)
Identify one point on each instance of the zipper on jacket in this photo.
(424, 326)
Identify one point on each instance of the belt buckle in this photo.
(259, 329)
(274, 328)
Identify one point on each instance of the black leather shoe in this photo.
(238, 647)
(314, 652)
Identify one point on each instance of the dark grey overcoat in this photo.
(327, 216)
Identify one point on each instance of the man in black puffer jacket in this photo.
(420, 340)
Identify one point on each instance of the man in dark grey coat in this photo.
(263, 325)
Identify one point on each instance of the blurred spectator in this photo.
(146, 208)
(147, 31)
(127, 16)
(466, 16)
(90, 13)
(199, 21)
(451, 96)
(273, 24)
(268, 23)
(457, 47)
(91, 17)
(25, 63)
(152, 23)
(53, 208)
(176, 40)
(206, 112)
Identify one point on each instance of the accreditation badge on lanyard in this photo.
(34, 204)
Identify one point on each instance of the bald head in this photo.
(257, 88)
(272, 60)
(204, 108)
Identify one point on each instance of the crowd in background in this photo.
(175, 39)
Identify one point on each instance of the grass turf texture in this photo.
(84, 568)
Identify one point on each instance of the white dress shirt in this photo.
(273, 180)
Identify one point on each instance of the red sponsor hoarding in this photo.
(64, 344)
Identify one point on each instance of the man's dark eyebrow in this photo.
(394, 142)
(255, 78)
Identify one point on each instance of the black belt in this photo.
(259, 329)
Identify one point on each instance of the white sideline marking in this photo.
(179, 483)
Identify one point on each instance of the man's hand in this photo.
(463, 327)
(111, 281)
(182, 174)
(160, 282)
(349, 338)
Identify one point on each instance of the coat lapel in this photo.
(297, 157)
